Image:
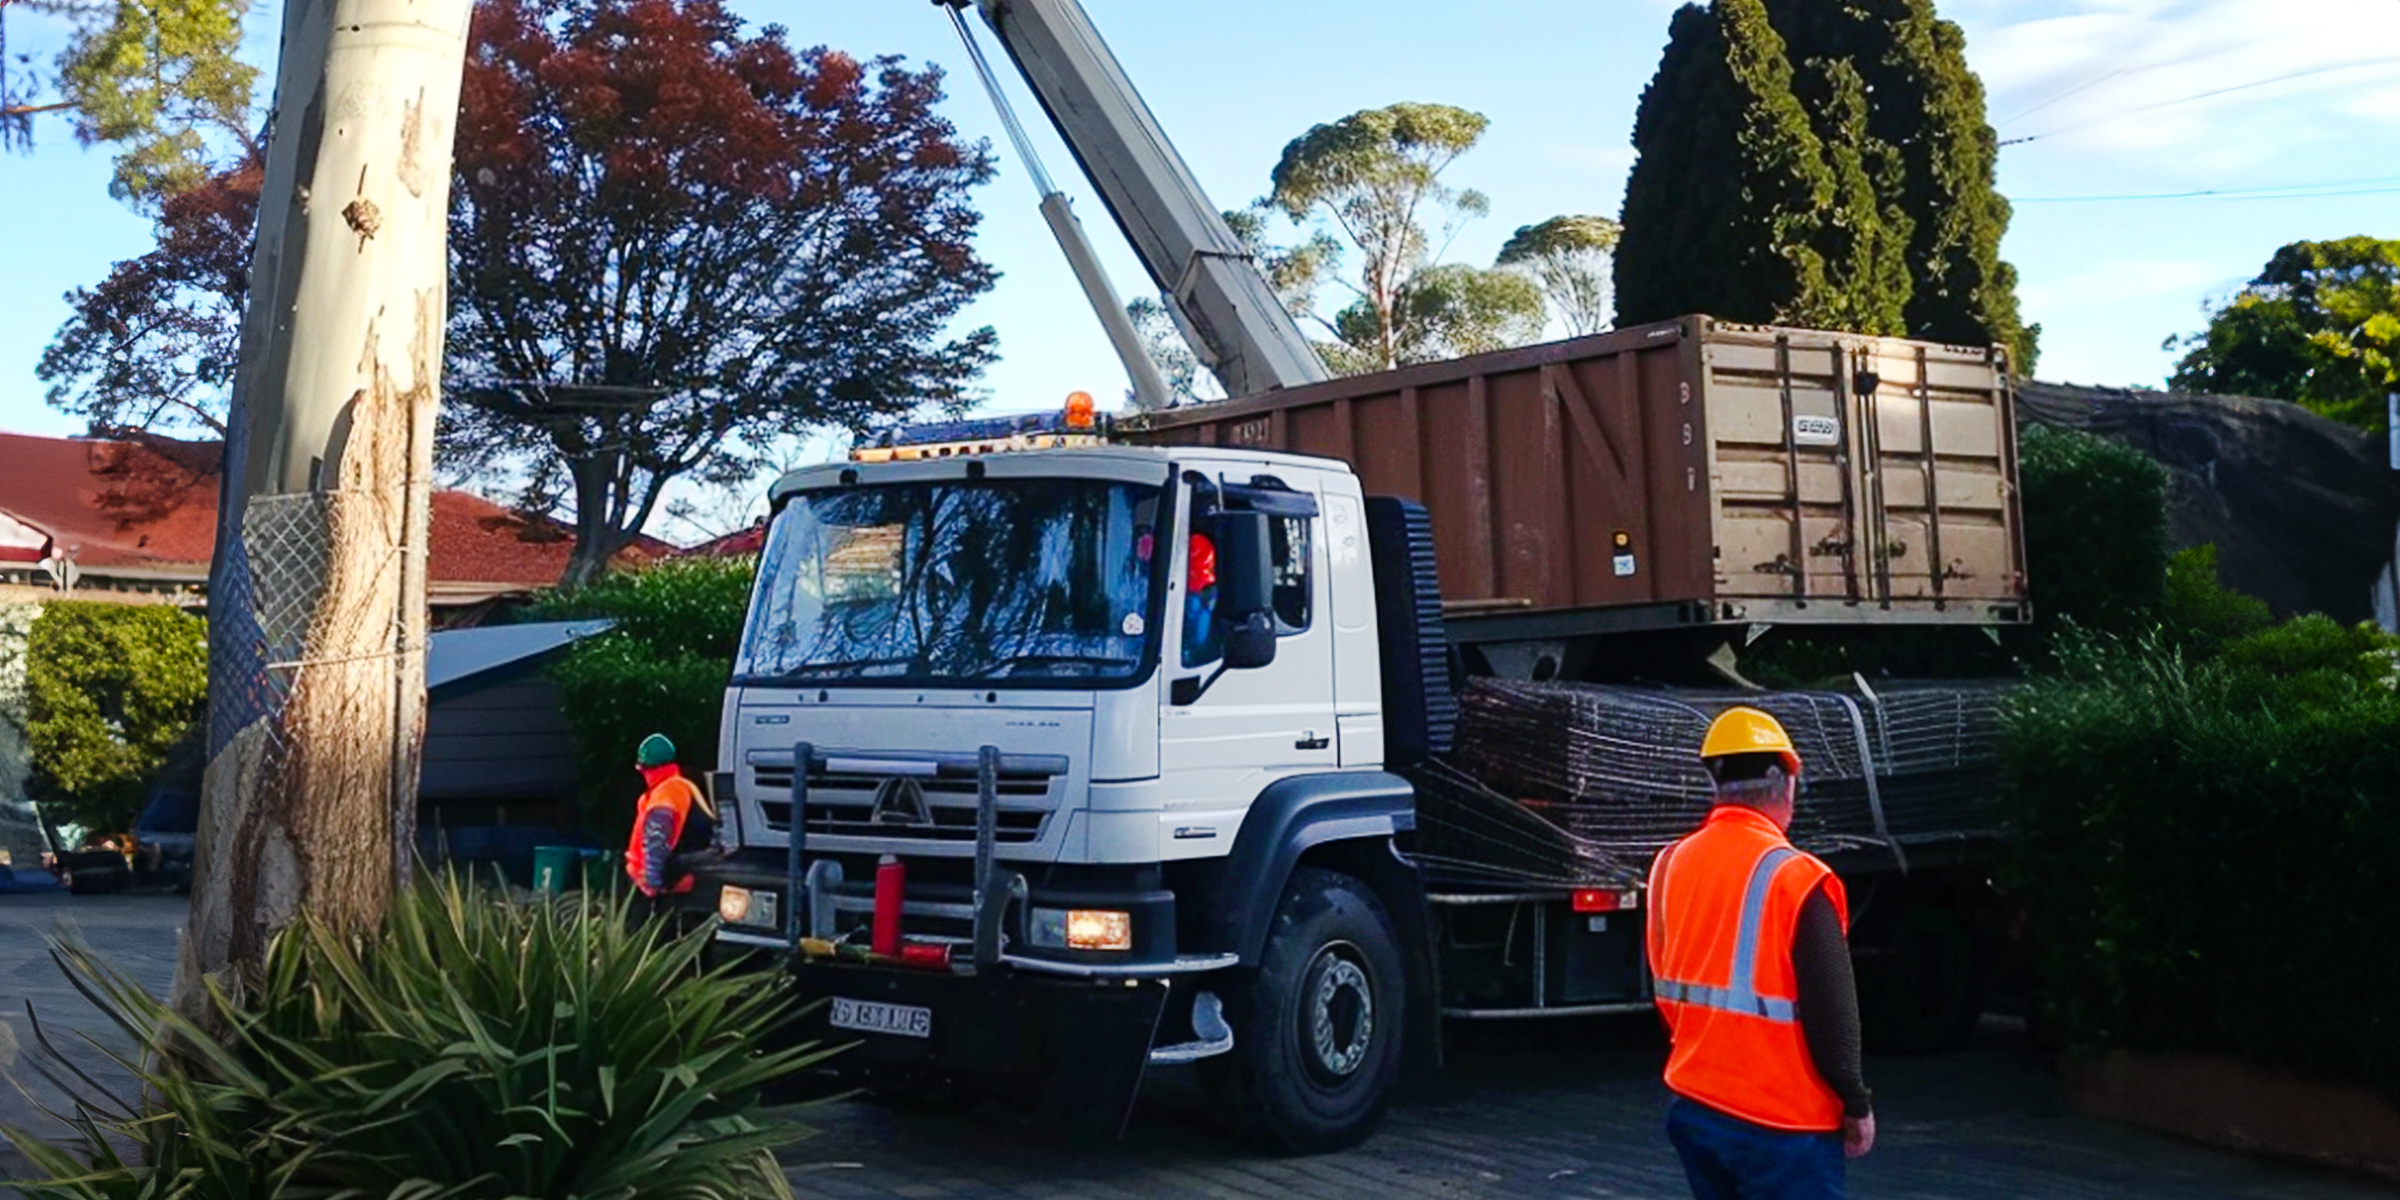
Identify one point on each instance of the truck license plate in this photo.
(870, 1017)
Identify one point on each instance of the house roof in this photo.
(455, 655)
(147, 508)
(733, 545)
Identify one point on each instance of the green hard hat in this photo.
(656, 751)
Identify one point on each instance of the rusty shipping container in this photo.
(1691, 472)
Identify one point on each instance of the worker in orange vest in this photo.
(1749, 953)
(673, 818)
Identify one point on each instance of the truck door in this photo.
(1252, 726)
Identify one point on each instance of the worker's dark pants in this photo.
(1727, 1158)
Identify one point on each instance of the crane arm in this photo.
(1238, 326)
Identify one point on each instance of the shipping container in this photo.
(1691, 472)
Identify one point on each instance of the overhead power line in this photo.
(2374, 186)
(2196, 96)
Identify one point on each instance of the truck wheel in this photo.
(1317, 1032)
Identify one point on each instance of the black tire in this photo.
(1925, 991)
(1319, 1026)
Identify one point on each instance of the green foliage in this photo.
(662, 668)
(1569, 257)
(477, 1048)
(110, 689)
(2200, 613)
(1374, 179)
(2208, 847)
(2095, 531)
(160, 80)
(1730, 187)
(1442, 312)
(1819, 162)
(2319, 326)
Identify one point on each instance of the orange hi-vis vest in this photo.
(1724, 904)
(677, 795)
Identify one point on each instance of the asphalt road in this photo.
(1563, 1109)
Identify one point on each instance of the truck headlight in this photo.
(741, 906)
(1082, 929)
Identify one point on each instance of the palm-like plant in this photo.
(478, 1048)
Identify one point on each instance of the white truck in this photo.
(1049, 757)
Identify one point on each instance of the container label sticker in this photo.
(1624, 565)
(1816, 431)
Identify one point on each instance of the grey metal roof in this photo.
(458, 654)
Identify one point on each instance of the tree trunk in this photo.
(317, 592)
(597, 537)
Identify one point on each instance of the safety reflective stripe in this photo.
(1740, 995)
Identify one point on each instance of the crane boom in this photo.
(1237, 325)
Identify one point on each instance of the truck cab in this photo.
(1040, 749)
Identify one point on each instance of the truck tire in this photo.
(1318, 1029)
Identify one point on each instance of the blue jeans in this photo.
(1727, 1158)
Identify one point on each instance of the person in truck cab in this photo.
(672, 819)
(1747, 945)
(1202, 642)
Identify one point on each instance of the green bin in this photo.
(555, 869)
(603, 870)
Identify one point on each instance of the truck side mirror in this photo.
(1251, 644)
(1245, 567)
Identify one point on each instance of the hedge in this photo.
(2208, 848)
(109, 690)
(662, 668)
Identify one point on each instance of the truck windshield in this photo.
(1006, 579)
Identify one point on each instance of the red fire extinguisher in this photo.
(891, 883)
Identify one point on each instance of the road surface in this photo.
(1557, 1110)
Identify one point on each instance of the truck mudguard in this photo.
(1286, 820)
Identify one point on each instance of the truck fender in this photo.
(1289, 818)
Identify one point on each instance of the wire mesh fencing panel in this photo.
(1580, 785)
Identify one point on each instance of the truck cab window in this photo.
(1204, 625)
(1289, 539)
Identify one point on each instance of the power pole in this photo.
(317, 594)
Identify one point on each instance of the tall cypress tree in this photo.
(1739, 206)
(1730, 186)
(1927, 108)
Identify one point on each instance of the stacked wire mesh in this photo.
(1577, 785)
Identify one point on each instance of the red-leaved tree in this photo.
(153, 346)
(674, 243)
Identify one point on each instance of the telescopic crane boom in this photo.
(1224, 305)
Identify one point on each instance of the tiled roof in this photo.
(733, 545)
(148, 508)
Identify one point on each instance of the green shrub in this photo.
(110, 689)
(662, 668)
(2200, 613)
(2095, 516)
(2208, 847)
(479, 1048)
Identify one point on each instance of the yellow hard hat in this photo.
(1747, 731)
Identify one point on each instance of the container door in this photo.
(1783, 434)
(1943, 522)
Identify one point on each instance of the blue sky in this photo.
(2116, 96)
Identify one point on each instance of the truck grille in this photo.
(844, 804)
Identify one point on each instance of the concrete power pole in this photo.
(317, 595)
